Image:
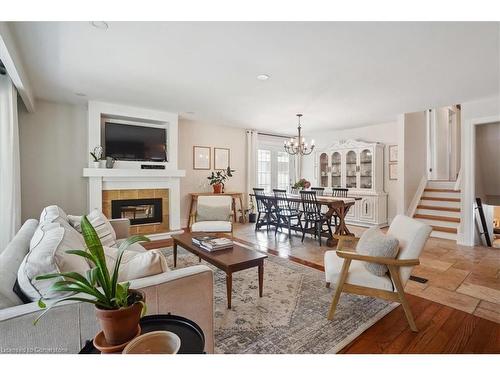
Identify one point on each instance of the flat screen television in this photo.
(131, 142)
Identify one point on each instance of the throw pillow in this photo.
(377, 244)
(101, 225)
(48, 255)
(54, 214)
(135, 265)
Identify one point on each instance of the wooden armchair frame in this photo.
(391, 263)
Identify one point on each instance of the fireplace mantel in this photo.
(122, 172)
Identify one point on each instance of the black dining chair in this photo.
(319, 190)
(338, 193)
(265, 210)
(286, 212)
(313, 216)
(294, 190)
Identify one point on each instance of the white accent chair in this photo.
(213, 214)
(345, 268)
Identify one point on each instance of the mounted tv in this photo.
(136, 143)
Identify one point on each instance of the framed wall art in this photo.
(201, 157)
(221, 158)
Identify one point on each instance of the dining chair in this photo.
(313, 216)
(347, 268)
(294, 190)
(286, 212)
(265, 209)
(339, 192)
(319, 190)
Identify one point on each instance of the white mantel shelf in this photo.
(121, 172)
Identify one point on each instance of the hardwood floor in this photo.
(456, 311)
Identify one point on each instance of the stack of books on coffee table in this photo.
(212, 243)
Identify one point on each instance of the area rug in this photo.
(291, 315)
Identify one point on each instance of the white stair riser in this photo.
(424, 211)
(426, 202)
(441, 184)
(439, 223)
(445, 235)
(441, 194)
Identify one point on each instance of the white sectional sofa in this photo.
(66, 328)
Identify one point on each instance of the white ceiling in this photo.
(337, 74)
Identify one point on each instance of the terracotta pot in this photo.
(156, 342)
(217, 188)
(120, 326)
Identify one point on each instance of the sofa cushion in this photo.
(377, 244)
(101, 225)
(48, 255)
(54, 214)
(136, 265)
(11, 258)
(134, 247)
(211, 226)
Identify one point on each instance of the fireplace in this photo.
(138, 211)
(147, 209)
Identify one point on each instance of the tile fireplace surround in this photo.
(110, 195)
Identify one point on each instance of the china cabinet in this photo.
(358, 166)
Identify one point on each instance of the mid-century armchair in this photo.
(213, 214)
(346, 268)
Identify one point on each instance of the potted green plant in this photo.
(118, 308)
(302, 184)
(217, 179)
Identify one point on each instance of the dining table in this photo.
(339, 206)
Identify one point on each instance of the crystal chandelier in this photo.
(298, 145)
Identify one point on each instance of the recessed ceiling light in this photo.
(263, 77)
(100, 25)
(80, 94)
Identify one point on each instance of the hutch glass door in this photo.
(366, 168)
(351, 165)
(336, 170)
(323, 169)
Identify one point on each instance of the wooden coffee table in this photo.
(231, 260)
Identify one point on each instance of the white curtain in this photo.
(252, 146)
(10, 175)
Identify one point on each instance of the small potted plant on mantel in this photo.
(118, 308)
(97, 156)
(217, 179)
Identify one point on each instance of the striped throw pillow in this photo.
(101, 225)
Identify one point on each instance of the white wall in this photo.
(192, 134)
(482, 111)
(412, 157)
(53, 142)
(384, 133)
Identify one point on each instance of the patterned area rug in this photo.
(291, 316)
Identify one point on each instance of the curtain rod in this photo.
(275, 135)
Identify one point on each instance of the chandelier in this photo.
(298, 145)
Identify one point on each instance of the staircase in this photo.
(439, 207)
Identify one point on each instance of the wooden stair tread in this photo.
(438, 218)
(435, 190)
(441, 199)
(444, 229)
(438, 208)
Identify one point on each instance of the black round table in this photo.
(191, 335)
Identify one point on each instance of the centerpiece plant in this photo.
(302, 184)
(118, 308)
(217, 179)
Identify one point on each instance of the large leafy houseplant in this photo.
(99, 286)
(217, 179)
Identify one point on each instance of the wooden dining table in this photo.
(339, 206)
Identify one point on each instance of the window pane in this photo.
(283, 170)
(264, 169)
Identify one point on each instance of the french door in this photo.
(274, 168)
